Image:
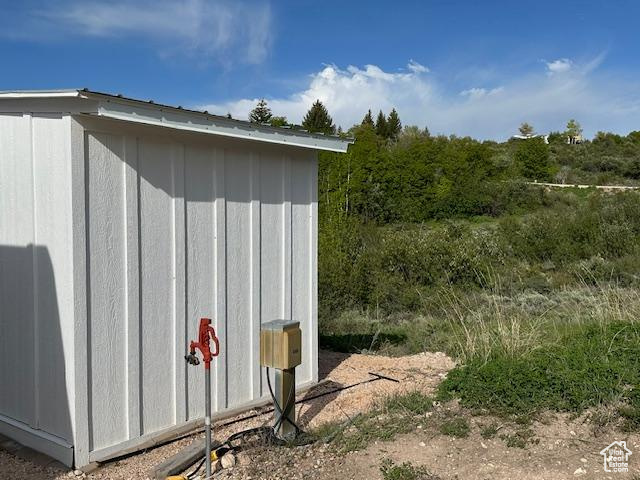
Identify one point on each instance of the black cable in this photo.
(270, 431)
(195, 470)
(288, 405)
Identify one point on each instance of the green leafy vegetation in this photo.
(588, 366)
(455, 427)
(489, 431)
(261, 113)
(405, 471)
(318, 120)
(445, 244)
(519, 439)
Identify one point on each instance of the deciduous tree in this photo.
(526, 129)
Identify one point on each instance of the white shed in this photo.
(122, 222)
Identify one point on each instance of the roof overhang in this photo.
(116, 107)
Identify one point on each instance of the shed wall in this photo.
(36, 282)
(179, 228)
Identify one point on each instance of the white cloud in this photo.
(559, 66)
(479, 92)
(222, 29)
(597, 101)
(415, 67)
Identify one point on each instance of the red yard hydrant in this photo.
(206, 334)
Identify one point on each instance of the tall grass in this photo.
(487, 324)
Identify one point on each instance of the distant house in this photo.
(574, 139)
(527, 137)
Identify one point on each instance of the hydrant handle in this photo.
(206, 333)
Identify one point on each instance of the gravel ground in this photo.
(423, 371)
(561, 446)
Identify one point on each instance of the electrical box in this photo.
(280, 344)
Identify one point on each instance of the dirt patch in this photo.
(556, 448)
(552, 447)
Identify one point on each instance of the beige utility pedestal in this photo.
(281, 349)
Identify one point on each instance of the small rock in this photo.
(228, 460)
(572, 433)
(583, 460)
(78, 473)
(422, 444)
(579, 471)
(483, 445)
(419, 427)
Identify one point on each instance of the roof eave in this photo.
(149, 113)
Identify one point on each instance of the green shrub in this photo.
(589, 366)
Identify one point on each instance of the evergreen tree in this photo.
(533, 158)
(318, 119)
(381, 125)
(394, 126)
(368, 119)
(260, 114)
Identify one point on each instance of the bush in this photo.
(571, 240)
(589, 366)
(532, 157)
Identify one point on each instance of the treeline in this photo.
(412, 176)
(417, 177)
(404, 174)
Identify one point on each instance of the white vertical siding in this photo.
(107, 272)
(169, 229)
(160, 166)
(200, 174)
(224, 231)
(302, 253)
(237, 340)
(17, 235)
(36, 277)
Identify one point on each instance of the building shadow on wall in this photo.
(33, 365)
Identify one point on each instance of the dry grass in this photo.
(487, 323)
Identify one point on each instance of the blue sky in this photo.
(464, 67)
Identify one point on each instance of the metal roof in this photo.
(150, 113)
